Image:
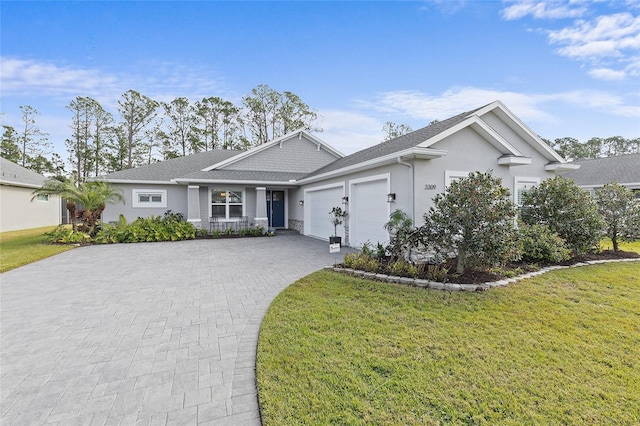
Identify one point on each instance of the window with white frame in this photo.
(227, 204)
(42, 197)
(450, 176)
(522, 185)
(147, 198)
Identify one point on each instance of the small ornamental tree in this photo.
(620, 211)
(567, 210)
(475, 220)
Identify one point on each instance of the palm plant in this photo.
(92, 196)
(66, 190)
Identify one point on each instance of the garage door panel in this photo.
(319, 204)
(370, 212)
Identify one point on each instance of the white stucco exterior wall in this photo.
(17, 211)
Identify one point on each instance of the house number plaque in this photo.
(430, 186)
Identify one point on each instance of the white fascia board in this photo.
(523, 130)
(415, 152)
(514, 161)
(268, 145)
(20, 184)
(561, 167)
(237, 182)
(143, 182)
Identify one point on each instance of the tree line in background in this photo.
(569, 148)
(146, 130)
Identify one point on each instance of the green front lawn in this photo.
(19, 248)
(563, 348)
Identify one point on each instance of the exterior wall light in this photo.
(301, 202)
(345, 200)
(391, 197)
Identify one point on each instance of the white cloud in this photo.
(606, 36)
(167, 81)
(528, 106)
(350, 131)
(543, 10)
(607, 74)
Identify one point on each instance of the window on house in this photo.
(142, 198)
(42, 197)
(227, 203)
(450, 176)
(521, 186)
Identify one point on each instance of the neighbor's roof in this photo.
(398, 144)
(16, 175)
(167, 170)
(624, 169)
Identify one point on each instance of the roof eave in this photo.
(289, 183)
(411, 153)
(510, 160)
(560, 167)
(20, 184)
(138, 181)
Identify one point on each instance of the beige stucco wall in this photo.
(17, 211)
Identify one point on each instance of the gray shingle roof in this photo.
(599, 171)
(174, 168)
(398, 144)
(245, 175)
(13, 173)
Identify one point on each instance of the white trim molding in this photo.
(156, 198)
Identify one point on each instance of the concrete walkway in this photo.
(143, 334)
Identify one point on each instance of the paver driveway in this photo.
(157, 333)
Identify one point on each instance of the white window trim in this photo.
(42, 198)
(451, 175)
(136, 204)
(227, 189)
(519, 180)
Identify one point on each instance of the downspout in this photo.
(413, 183)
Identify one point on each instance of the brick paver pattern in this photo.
(143, 334)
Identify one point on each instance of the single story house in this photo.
(294, 181)
(595, 173)
(18, 207)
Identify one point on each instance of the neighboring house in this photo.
(594, 173)
(294, 181)
(19, 209)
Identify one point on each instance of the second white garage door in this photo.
(369, 211)
(317, 204)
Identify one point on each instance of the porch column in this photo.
(193, 205)
(261, 218)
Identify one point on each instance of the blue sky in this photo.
(566, 68)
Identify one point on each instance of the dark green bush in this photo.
(65, 235)
(541, 244)
(170, 227)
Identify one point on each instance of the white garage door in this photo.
(369, 213)
(317, 205)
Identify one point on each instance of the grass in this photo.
(563, 348)
(26, 246)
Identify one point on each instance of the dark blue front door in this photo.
(275, 208)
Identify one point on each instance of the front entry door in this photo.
(275, 208)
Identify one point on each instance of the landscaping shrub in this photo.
(66, 235)
(402, 269)
(567, 210)
(402, 235)
(170, 227)
(474, 220)
(541, 244)
(361, 262)
(434, 273)
(620, 211)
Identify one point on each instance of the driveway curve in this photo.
(143, 334)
